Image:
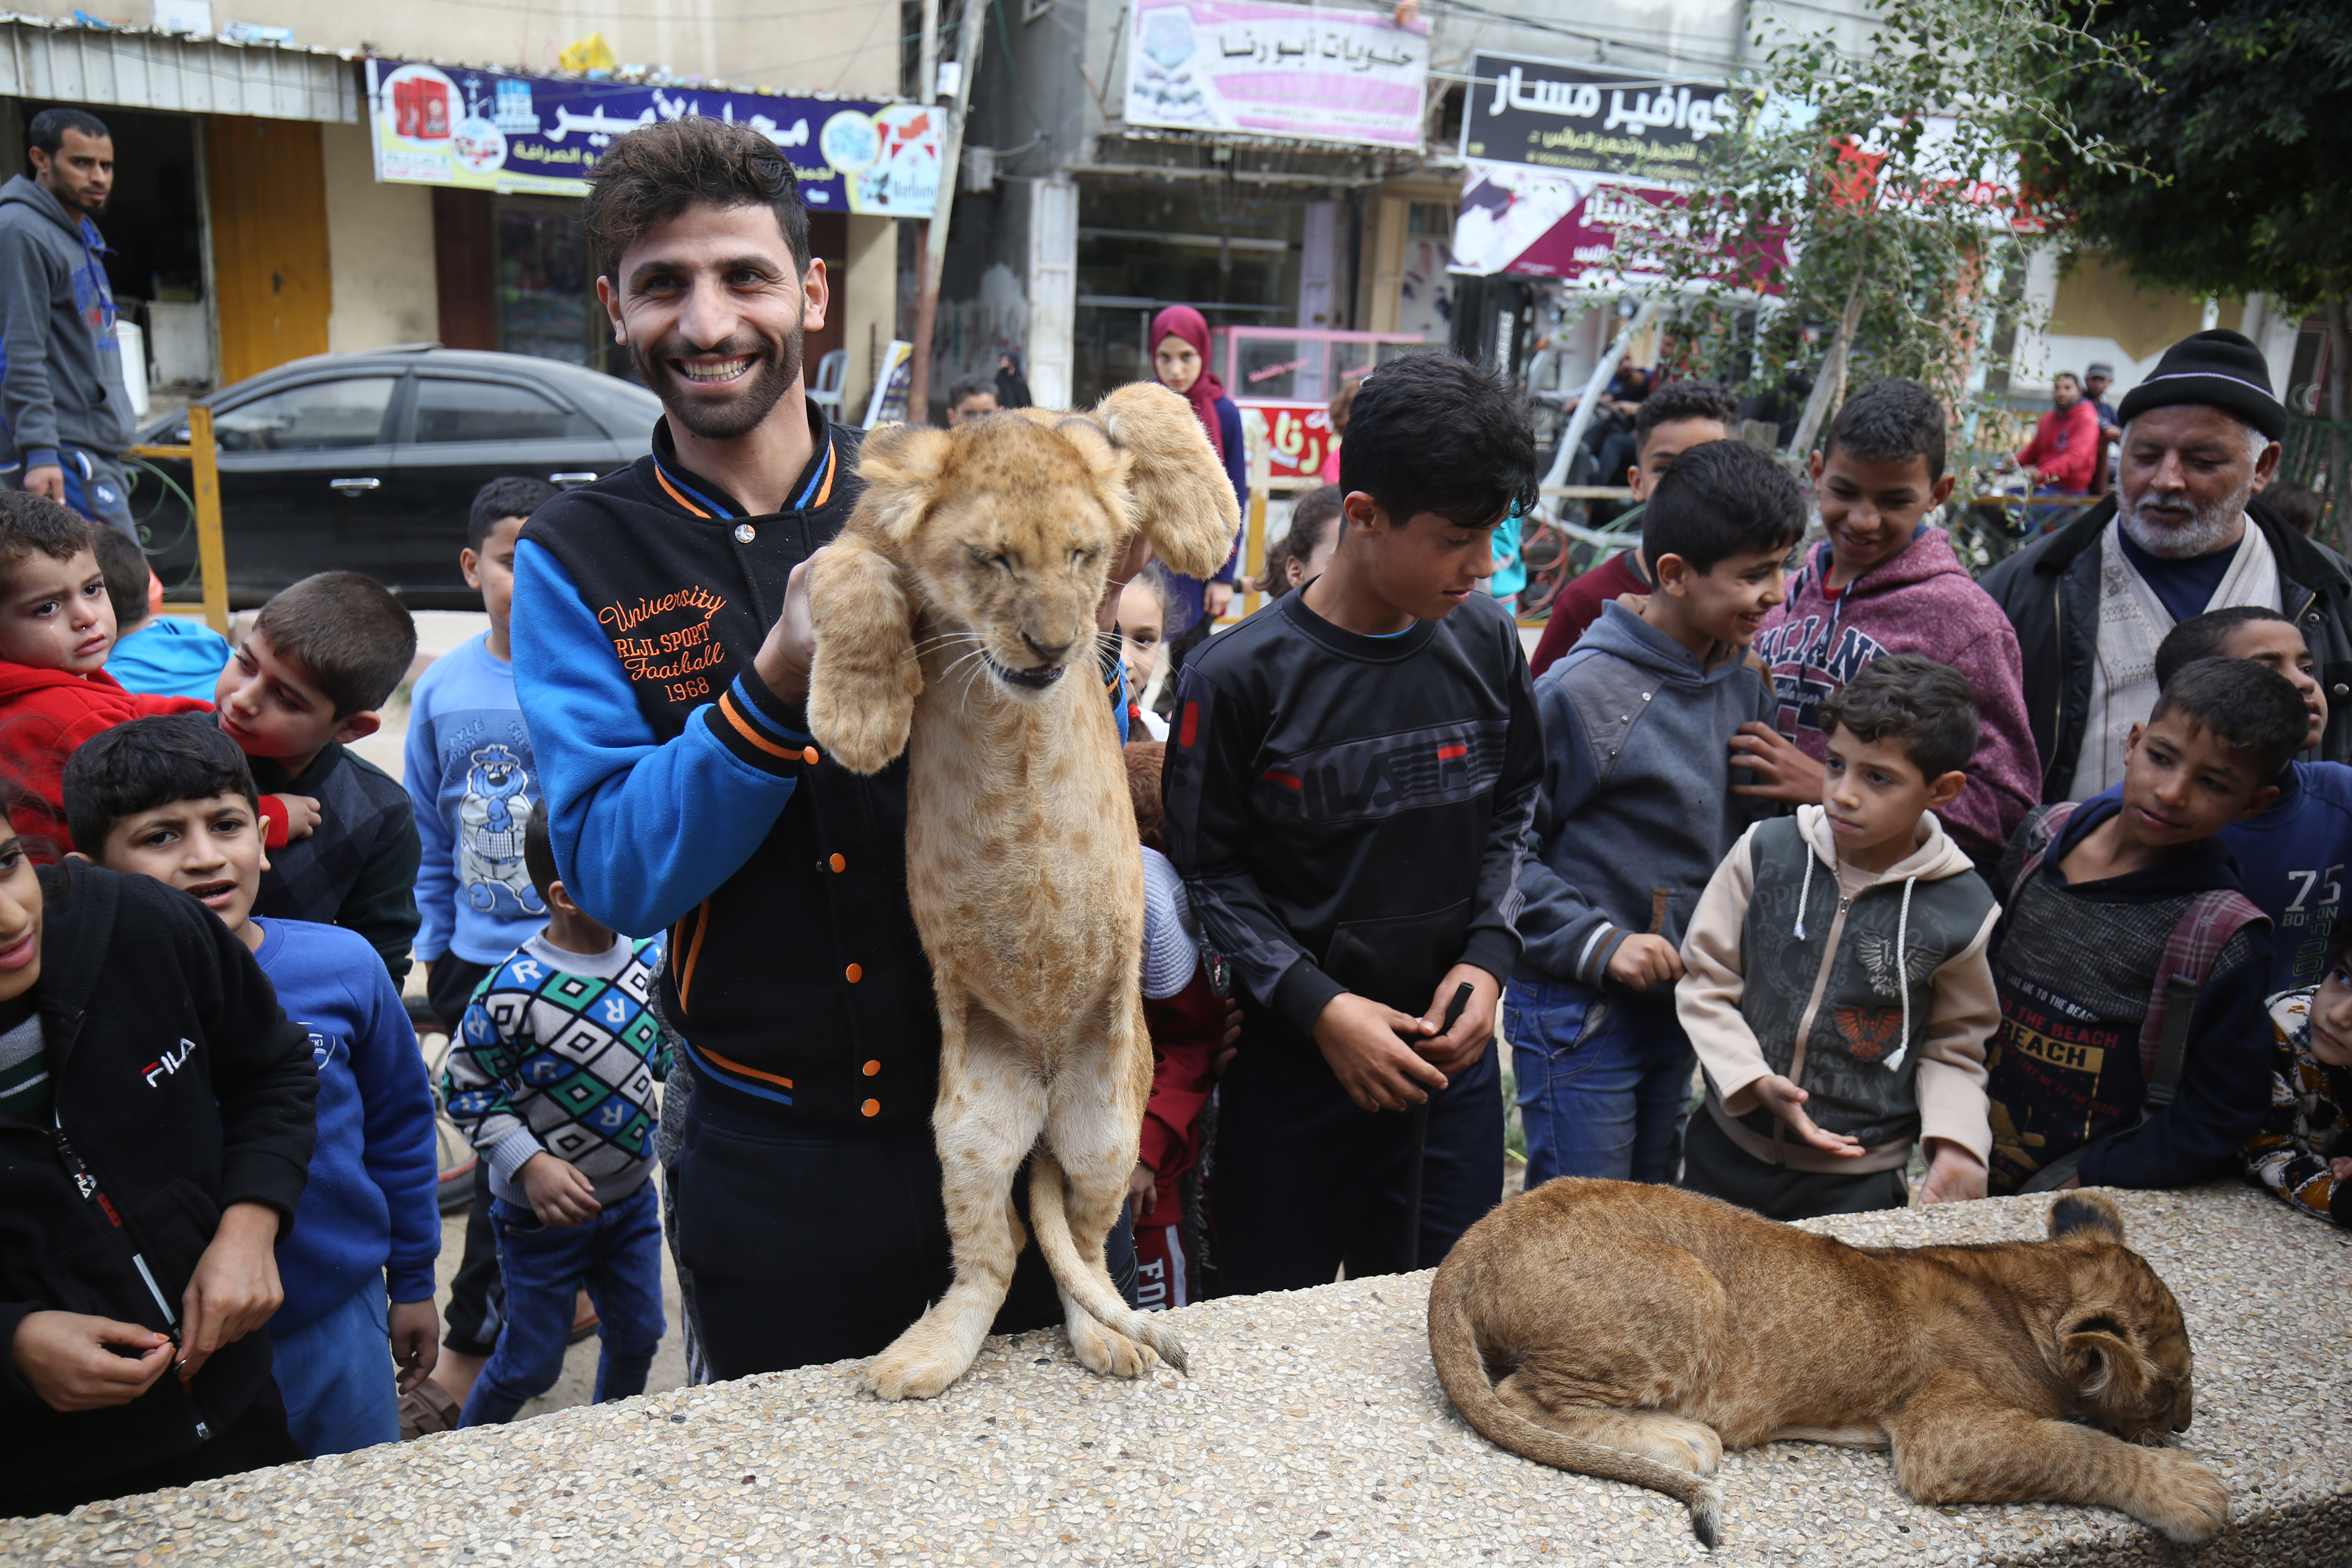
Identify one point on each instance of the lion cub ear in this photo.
(2093, 1217)
(901, 464)
(1177, 492)
(2100, 1363)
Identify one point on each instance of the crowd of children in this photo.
(1779, 835)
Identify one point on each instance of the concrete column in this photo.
(1384, 277)
(866, 296)
(379, 250)
(1053, 290)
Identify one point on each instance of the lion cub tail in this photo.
(1454, 1346)
(1049, 1221)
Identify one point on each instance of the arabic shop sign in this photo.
(1592, 232)
(1277, 70)
(488, 130)
(1592, 119)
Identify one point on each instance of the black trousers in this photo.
(1714, 1165)
(477, 1299)
(810, 1244)
(254, 1440)
(1304, 1181)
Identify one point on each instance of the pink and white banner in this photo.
(1302, 71)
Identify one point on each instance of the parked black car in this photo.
(367, 463)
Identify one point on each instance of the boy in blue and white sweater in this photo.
(552, 1080)
(173, 797)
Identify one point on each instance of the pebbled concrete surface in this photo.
(1312, 1431)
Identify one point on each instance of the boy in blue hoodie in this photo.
(2291, 859)
(173, 799)
(1636, 813)
(469, 771)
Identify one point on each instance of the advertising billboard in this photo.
(1277, 70)
(1595, 119)
(491, 130)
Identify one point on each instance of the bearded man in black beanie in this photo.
(2092, 600)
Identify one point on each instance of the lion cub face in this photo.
(2122, 1344)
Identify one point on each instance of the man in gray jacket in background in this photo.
(65, 414)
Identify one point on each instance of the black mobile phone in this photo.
(1461, 994)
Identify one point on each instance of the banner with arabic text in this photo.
(1592, 119)
(1533, 223)
(491, 130)
(1277, 70)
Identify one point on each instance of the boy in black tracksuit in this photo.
(1349, 774)
(156, 1133)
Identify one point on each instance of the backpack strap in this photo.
(2047, 825)
(2203, 929)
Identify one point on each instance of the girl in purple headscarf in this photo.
(1180, 360)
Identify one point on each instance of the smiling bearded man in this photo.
(662, 644)
(2186, 532)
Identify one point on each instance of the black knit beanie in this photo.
(2219, 369)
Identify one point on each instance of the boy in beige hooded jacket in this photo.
(1836, 987)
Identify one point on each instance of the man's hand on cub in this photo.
(1783, 1098)
(1459, 1048)
(1365, 1044)
(1954, 1173)
(1643, 962)
(783, 661)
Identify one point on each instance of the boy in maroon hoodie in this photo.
(1887, 583)
(57, 626)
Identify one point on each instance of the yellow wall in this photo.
(380, 238)
(2098, 297)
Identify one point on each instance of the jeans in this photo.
(617, 1256)
(337, 1376)
(1604, 1079)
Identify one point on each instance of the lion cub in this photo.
(1637, 1330)
(948, 616)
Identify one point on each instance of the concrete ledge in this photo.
(1312, 1431)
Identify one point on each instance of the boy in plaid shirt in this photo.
(552, 1080)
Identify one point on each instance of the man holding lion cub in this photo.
(663, 643)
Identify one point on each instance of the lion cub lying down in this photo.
(1636, 1331)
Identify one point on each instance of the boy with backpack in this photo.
(2133, 1050)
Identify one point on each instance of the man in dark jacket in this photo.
(156, 1131)
(2091, 601)
(65, 414)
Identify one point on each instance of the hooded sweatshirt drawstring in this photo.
(1804, 893)
(1903, 969)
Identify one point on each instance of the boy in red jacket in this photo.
(57, 626)
(1887, 583)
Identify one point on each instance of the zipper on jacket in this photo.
(2058, 715)
(1813, 1003)
(96, 1196)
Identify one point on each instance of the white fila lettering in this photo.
(171, 1061)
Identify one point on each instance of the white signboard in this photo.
(1297, 71)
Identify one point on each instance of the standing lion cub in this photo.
(1639, 1331)
(955, 620)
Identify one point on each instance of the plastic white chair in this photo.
(831, 371)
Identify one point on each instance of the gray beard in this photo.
(2210, 527)
(779, 366)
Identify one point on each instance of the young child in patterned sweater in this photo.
(2304, 1152)
(552, 1080)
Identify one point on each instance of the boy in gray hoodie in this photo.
(64, 415)
(1635, 814)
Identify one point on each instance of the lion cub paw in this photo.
(2180, 1499)
(915, 1366)
(1108, 1352)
